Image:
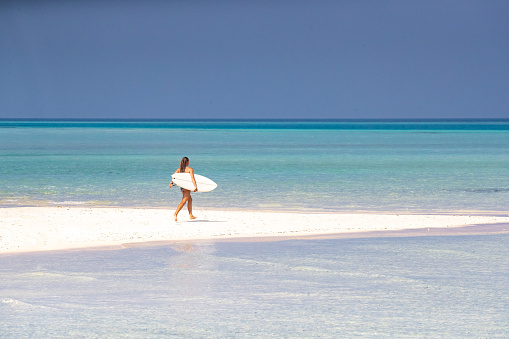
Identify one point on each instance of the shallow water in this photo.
(449, 286)
(452, 286)
(279, 165)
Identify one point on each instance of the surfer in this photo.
(186, 194)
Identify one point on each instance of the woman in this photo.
(186, 194)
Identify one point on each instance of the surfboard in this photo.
(184, 180)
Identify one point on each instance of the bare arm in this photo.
(194, 180)
(171, 180)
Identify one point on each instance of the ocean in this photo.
(354, 165)
(416, 287)
(421, 287)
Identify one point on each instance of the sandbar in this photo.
(31, 229)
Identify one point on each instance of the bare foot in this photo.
(192, 217)
(175, 215)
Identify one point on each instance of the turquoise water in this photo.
(427, 287)
(443, 165)
(432, 287)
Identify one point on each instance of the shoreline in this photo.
(480, 229)
(34, 229)
(272, 210)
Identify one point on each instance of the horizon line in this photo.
(256, 119)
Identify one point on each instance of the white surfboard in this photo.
(184, 180)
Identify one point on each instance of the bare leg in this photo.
(190, 207)
(186, 198)
(182, 203)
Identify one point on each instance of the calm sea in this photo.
(425, 287)
(386, 165)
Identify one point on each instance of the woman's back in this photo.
(186, 170)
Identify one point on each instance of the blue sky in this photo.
(254, 59)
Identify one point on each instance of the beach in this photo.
(396, 286)
(316, 229)
(359, 150)
(29, 229)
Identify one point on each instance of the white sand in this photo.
(25, 229)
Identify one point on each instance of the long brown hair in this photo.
(183, 164)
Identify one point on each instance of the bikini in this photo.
(181, 189)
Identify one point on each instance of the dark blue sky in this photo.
(254, 59)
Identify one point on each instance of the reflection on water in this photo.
(394, 287)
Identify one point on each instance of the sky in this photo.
(267, 59)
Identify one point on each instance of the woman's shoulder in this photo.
(189, 169)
